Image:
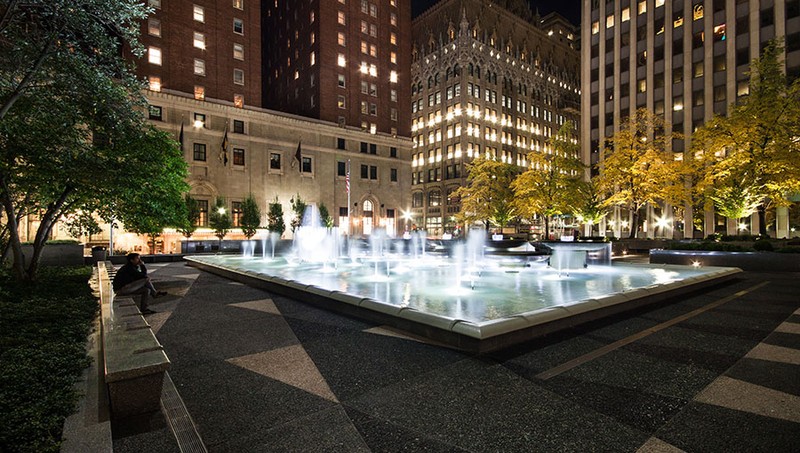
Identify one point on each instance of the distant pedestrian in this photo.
(132, 279)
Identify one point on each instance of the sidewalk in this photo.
(259, 372)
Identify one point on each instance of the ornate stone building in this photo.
(488, 78)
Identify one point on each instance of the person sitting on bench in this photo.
(132, 279)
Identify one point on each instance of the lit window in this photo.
(364, 6)
(341, 80)
(155, 83)
(154, 3)
(342, 18)
(313, 37)
(642, 85)
(199, 67)
(238, 51)
(373, 10)
(199, 13)
(364, 67)
(154, 55)
(199, 40)
(238, 77)
(393, 2)
(595, 27)
(341, 61)
(373, 70)
(659, 3)
(393, 38)
(364, 47)
(393, 95)
(238, 101)
(393, 57)
(364, 27)
(238, 4)
(199, 94)
(626, 14)
(393, 76)
(154, 27)
(393, 19)
(313, 59)
(341, 39)
(609, 21)
(238, 26)
(340, 102)
(311, 17)
(642, 7)
(697, 12)
(373, 30)
(373, 50)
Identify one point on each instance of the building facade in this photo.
(684, 59)
(342, 61)
(488, 78)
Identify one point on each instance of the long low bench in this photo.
(134, 360)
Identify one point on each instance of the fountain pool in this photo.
(477, 303)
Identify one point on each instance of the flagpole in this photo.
(349, 223)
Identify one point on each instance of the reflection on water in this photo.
(500, 288)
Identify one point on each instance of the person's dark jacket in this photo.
(128, 274)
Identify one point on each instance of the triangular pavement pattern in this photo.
(290, 365)
(157, 320)
(391, 332)
(188, 276)
(263, 305)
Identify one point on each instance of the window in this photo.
(341, 81)
(199, 120)
(373, 172)
(238, 156)
(154, 3)
(767, 17)
(364, 171)
(642, 7)
(199, 152)
(306, 165)
(341, 61)
(155, 83)
(238, 101)
(198, 13)
(154, 27)
(340, 143)
(341, 168)
(199, 67)
(238, 4)
(202, 207)
(154, 112)
(392, 36)
(340, 38)
(340, 102)
(238, 127)
(626, 14)
(342, 19)
(743, 25)
(719, 63)
(199, 40)
(274, 161)
(720, 93)
(154, 55)
(698, 68)
(238, 51)
(199, 92)
(373, 148)
(236, 213)
(393, 151)
(393, 175)
(238, 26)
(238, 77)
(698, 98)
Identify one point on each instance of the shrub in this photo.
(705, 246)
(714, 237)
(763, 246)
(790, 249)
(42, 353)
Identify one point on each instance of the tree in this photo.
(220, 220)
(636, 169)
(735, 202)
(72, 130)
(488, 196)
(191, 217)
(551, 181)
(275, 222)
(82, 223)
(251, 216)
(325, 216)
(298, 208)
(756, 148)
(587, 204)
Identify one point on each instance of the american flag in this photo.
(347, 181)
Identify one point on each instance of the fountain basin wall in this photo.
(463, 334)
(749, 261)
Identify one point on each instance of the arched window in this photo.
(417, 200)
(434, 198)
(366, 217)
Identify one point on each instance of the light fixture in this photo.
(221, 211)
(198, 123)
(742, 226)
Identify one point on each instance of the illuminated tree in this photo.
(488, 196)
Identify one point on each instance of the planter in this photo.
(748, 261)
(55, 254)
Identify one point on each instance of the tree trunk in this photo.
(634, 224)
(762, 219)
(18, 267)
(546, 228)
(45, 227)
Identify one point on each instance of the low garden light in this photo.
(742, 226)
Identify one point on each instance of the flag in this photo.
(299, 157)
(180, 137)
(224, 155)
(347, 181)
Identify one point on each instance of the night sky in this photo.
(571, 9)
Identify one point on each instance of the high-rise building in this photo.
(684, 59)
(209, 49)
(488, 78)
(343, 61)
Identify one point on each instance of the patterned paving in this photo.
(260, 372)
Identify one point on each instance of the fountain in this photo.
(470, 299)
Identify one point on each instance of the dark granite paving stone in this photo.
(536, 361)
(480, 406)
(622, 329)
(384, 436)
(329, 430)
(293, 309)
(787, 340)
(228, 402)
(713, 362)
(148, 432)
(708, 428)
(731, 331)
(698, 340)
(627, 369)
(783, 377)
(793, 318)
(358, 363)
(644, 411)
(312, 331)
(233, 336)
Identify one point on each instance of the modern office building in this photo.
(684, 59)
(488, 78)
(342, 61)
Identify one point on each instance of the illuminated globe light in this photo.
(742, 226)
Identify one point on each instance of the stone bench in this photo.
(134, 360)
